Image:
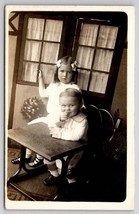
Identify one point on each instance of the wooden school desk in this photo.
(37, 138)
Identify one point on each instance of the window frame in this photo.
(68, 43)
(107, 23)
(106, 98)
(21, 57)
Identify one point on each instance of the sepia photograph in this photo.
(69, 125)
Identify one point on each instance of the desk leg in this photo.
(64, 169)
(21, 165)
(13, 181)
(65, 164)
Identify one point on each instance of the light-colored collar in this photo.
(79, 117)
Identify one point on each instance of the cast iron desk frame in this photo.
(36, 137)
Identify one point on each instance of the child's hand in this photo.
(55, 132)
(40, 74)
(52, 130)
(64, 116)
(60, 124)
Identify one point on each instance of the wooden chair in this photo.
(101, 127)
(95, 122)
(94, 140)
(107, 124)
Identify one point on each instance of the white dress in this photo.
(74, 128)
(52, 92)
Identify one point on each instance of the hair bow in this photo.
(74, 65)
(58, 64)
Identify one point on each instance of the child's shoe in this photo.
(37, 162)
(52, 180)
(17, 160)
(71, 176)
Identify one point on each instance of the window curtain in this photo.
(107, 36)
(32, 51)
(38, 52)
(35, 28)
(88, 34)
(102, 58)
(49, 52)
(53, 30)
(85, 57)
(85, 53)
(83, 78)
(30, 72)
(98, 82)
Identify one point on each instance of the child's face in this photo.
(69, 105)
(65, 74)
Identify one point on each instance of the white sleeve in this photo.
(44, 92)
(74, 134)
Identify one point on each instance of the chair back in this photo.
(107, 124)
(94, 123)
(101, 127)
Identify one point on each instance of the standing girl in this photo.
(64, 77)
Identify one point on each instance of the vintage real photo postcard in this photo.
(69, 98)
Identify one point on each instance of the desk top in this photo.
(37, 138)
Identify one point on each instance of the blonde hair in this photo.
(72, 92)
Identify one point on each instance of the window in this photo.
(41, 47)
(95, 47)
(95, 40)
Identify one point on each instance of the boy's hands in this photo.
(53, 130)
(64, 116)
(56, 128)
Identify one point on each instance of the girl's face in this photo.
(65, 73)
(70, 105)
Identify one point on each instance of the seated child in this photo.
(70, 125)
(64, 77)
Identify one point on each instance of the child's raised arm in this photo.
(41, 83)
